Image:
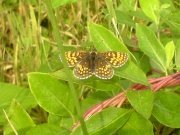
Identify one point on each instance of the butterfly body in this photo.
(101, 64)
(91, 58)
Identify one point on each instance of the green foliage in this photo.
(53, 95)
(46, 129)
(19, 118)
(142, 101)
(166, 109)
(151, 46)
(169, 49)
(110, 42)
(151, 9)
(137, 125)
(9, 93)
(117, 118)
(48, 99)
(58, 3)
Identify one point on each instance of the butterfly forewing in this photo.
(74, 57)
(82, 70)
(116, 59)
(103, 69)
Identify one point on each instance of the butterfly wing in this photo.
(116, 59)
(103, 69)
(73, 57)
(83, 69)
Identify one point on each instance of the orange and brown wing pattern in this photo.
(116, 59)
(103, 69)
(83, 70)
(73, 57)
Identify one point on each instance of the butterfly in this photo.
(95, 63)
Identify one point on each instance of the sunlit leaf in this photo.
(142, 101)
(151, 9)
(105, 40)
(101, 124)
(166, 109)
(52, 95)
(151, 46)
(169, 48)
(137, 125)
(19, 119)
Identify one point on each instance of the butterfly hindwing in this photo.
(83, 70)
(116, 59)
(103, 69)
(73, 57)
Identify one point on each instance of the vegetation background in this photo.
(40, 95)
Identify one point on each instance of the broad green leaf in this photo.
(127, 5)
(177, 54)
(173, 22)
(167, 109)
(105, 40)
(19, 119)
(124, 18)
(106, 122)
(142, 101)
(52, 95)
(132, 72)
(139, 14)
(169, 48)
(47, 129)
(137, 125)
(151, 46)
(151, 9)
(93, 82)
(93, 99)
(110, 8)
(58, 3)
(11, 92)
(64, 122)
(143, 61)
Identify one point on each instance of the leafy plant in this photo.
(48, 99)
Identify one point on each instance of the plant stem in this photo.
(67, 71)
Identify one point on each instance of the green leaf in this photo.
(124, 18)
(127, 5)
(65, 122)
(93, 99)
(143, 61)
(47, 129)
(52, 95)
(169, 48)
(105, 40)
(151, 9)
(139, 14)
(142, 101)
(58, 3)
(101, 85)
(106, 122)
(11, 92)
(137, 125)
(19, 119)
(173, 22)
(151, 46)
(177, 54)
(132, 72)
(167, 109)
